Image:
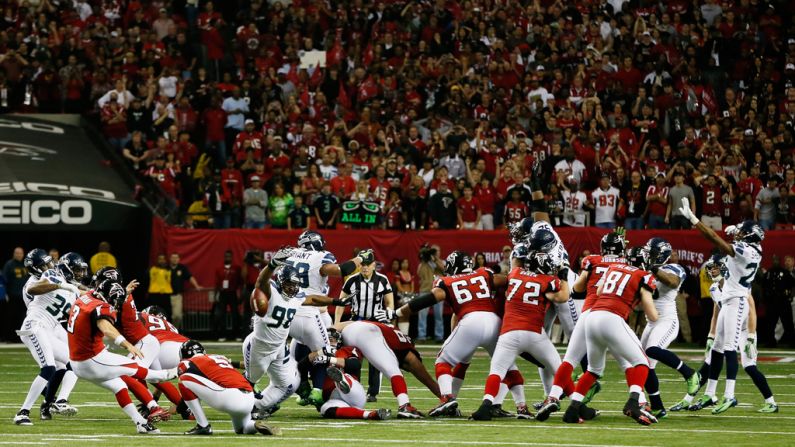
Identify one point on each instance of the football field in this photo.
(101, 422)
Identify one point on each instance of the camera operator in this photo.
(430, 266)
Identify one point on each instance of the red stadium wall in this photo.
(202, 250)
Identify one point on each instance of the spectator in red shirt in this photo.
(344, 185)
(228, 279)
(657, 202)
(711, 202)
(515, 209)
(214, 120)
(114, 123)
(469, 213)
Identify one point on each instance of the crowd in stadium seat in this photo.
(433, 110)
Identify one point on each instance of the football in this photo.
(259, 302)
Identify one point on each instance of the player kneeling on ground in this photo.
(212, 379)
(343, 395)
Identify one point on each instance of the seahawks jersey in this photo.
(308, 264)
(558, 253)
(665, 296)
(273, 328)
(742, 269)
(51, 307)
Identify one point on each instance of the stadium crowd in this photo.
(433, 110)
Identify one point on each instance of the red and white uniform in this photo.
(91, 360)
(334, 397)
(606, 327)
(169, 338)
(523, 328)
(211, 379)
(136, 333)
(384, 347)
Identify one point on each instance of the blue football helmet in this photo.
(311, 240)
(750, 232)
(659, 251)
(458, 262)
(521, 251)
(716, 268)
(543, 241)
(519, 231)
(37, 261)
(638, 257)
(72, 266)
(288, 281)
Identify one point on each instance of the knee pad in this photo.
(46, 372)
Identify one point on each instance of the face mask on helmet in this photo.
(37, 261)
(111, 292)
(638, 257)
(542, 264)
(750, 232)
(190, 349)
(288, 281)
(658, 251)
(458, 262)
(613, 244)
(73, 267)
(716, 269)
(106, 273)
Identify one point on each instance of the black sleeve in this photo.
(353, 366)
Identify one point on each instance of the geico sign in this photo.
(54, 188)
(45, 212)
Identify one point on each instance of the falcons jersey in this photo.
(85, 338)
(128, 322)
(397, 341)
(273, 328)
(214, 372)
(308, 264)
(51, 307)
(343, 353)
(621, 285)
(526, 301)
(596, 266)
(469, 292)
(742, 270)
(664, 296)
(162, 329)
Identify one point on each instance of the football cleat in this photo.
(62, 407)
(522, 412)
(633, 410)
(143, 410)
(483, 413)
(724, 405)
(44, 412)
(23, 418)
(304, 389)
(693, 383)
(338, 377)
(147, 429)
(267, 430)
(380, 414)
(572, 414)
(446, 407)
(768, 408)
(316, 396)
(550, 406)
(537, 406)
(498, 412)
(704, 402)
(588, 413)
(591, 393)
(679, 406)
(407, 411)
(660, 414)
(158, 414)
(199, 430)
(371, 398)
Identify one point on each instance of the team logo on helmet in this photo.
(190, 349)
(72, 266)
(750, 232)
(638, 257)
(37, 261)
(311, 240)
(659, 250)
(613, 244)
(542, 240)
(458, 262)
(288, 281)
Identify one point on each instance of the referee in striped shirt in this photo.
(369, 294)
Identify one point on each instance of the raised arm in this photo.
(423, 301)
(708, 233)
(347, 267)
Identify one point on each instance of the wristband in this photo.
(694, 220)
(272, 265)
(119, 340)
(338, 302)
(348, 267)
(399, 312)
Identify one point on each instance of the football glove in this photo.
(280, 257)
(329, 351)
(70, 287)
(368, 257)
(750, 346)
(686, 212)
(731, 230)
(384, 315)
(710, 342)
(321, 359)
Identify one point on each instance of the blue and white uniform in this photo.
(265, 350)
(663, 332)
(717, 295)
(41, 331)
(732, 299)
(309, 326)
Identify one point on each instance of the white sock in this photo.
(688, 398)
(445, 384)
(67, 385)
(151, 404)
(38, 385)
(500, 397)
(770, 400)
(517, 391)
(576, 397)
(556, 391)
(641, 395)
(153, 375)
(712, 387)
(404, 326)
(729, 393)
(366, 414)
(402, 399)
(132, 412)
(456, 386)
(198, 412)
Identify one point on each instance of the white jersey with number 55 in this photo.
(742, 270)
(51, 307)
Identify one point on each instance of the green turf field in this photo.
(101, 422)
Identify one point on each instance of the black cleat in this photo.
(199, 430)
(44, 412)
(483, 413)
(572, 414)
(23, 418)
(632, 409)
(550, 406)
(498, 412)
